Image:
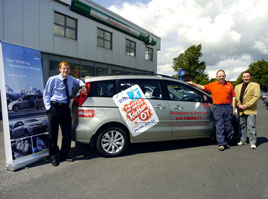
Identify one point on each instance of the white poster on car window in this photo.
(25, 123)
(136, 110)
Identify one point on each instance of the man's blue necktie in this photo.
(67, 92)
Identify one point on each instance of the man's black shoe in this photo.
(227, 146)
(55, 162)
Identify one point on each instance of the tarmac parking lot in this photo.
(180, 169)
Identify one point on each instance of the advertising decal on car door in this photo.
(136, 110)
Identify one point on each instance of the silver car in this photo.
(27, 101)
(28, 127)
(118, 110)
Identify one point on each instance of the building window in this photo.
(87, 70)
(65, 26)
(104, 39)
(149, 54)
(101, 71)
(130, 48)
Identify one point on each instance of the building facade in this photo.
(94, 40)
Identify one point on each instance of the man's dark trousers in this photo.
(59, 115)
(223, 115)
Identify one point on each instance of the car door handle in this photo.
(177, 107)
(159, 106)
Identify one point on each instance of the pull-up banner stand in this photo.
(24, 116)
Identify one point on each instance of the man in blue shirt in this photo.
(56, 98)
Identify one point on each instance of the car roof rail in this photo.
(138, 73)
(122, 73)
(161, 75)
(127, 73)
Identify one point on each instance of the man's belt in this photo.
(222, 104)
(58, 103)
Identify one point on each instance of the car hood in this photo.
(12, 103)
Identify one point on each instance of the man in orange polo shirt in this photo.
(223, 97)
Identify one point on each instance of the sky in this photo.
(233, 33)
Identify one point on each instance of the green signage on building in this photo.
(81, 7)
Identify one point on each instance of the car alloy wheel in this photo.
(112, 141)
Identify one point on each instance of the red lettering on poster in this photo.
(137, 109)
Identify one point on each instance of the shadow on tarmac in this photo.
(85, 152)
(261, 140)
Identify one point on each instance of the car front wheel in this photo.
(16, 108)
(112, 141)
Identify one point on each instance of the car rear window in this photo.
(102, 88)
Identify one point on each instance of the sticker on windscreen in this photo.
(136, 110)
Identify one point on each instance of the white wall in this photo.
(30, 23)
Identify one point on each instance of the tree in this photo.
(212, 80)
(189, 61)
(259, 74)
(238, 80)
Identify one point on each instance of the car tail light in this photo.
(81, 98)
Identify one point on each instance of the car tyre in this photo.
(112, 141)
(16, 108)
